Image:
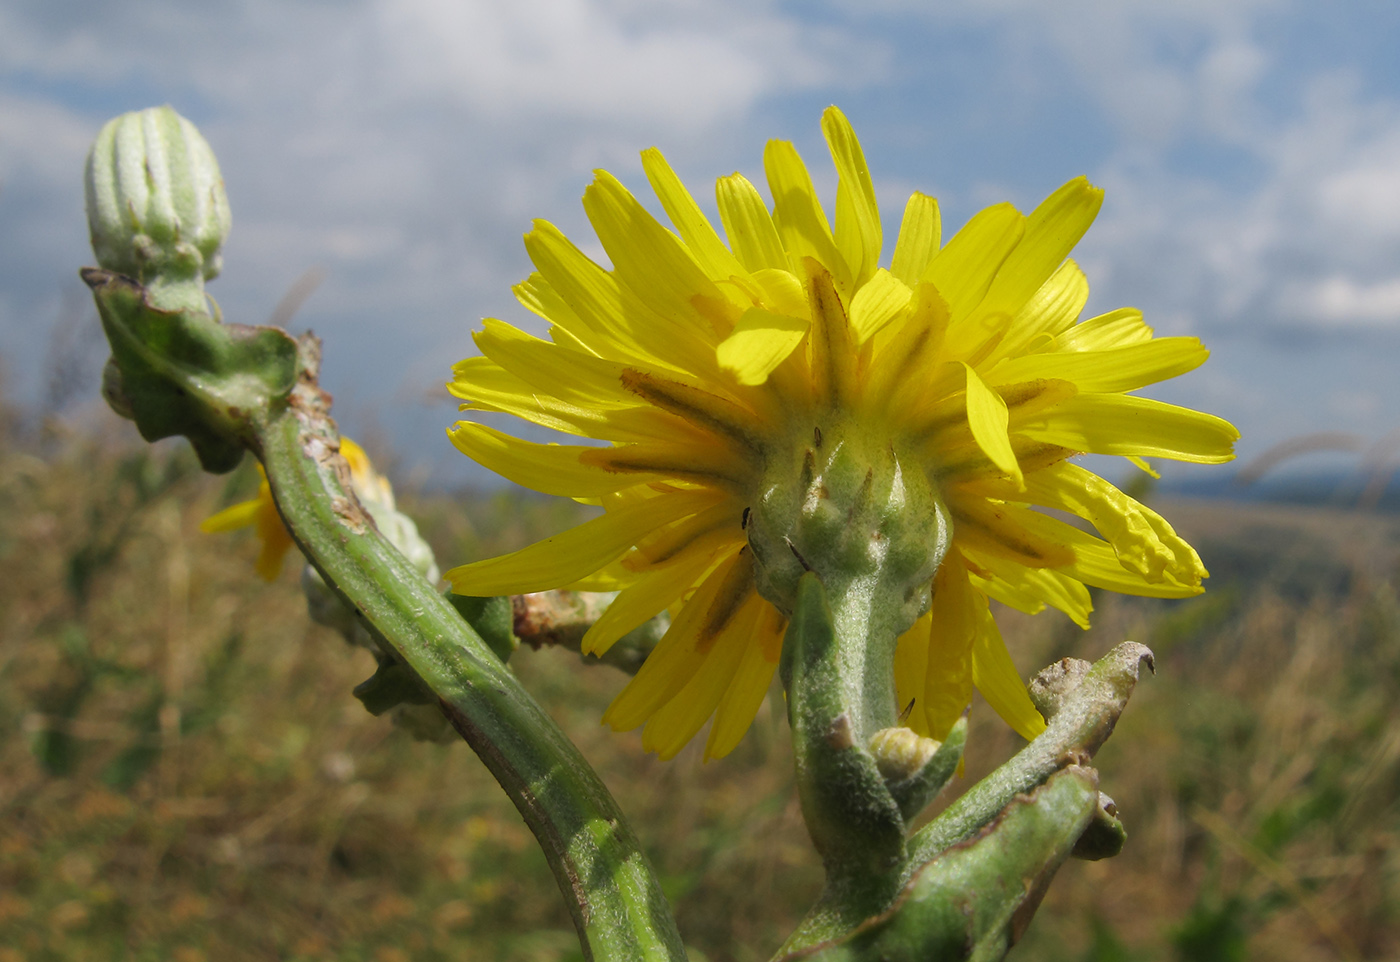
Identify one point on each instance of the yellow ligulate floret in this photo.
(702, 355)
(261, 512)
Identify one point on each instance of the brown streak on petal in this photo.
(833, 347)
(1028, 398)
(737, 586)
(1027, 549)
(707, 411)
(719, 311)
(726, 472)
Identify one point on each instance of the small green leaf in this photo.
(493, 619)
(392, 684)
(183, 373)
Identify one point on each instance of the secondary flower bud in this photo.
(156, 205)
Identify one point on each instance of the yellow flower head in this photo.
(747, 387)
(261, 512)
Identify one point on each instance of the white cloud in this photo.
(1363, 198)
(587, 59)
(1342, 300)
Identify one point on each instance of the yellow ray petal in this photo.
(987, 417)
(571, 555)
(583, 379)
(486, 386)
(963, 270)
(749, 226)
(911, 674)
(919, 236)
(1052, 309)
(647, 259)
(1115, 329)
(1114, 370)
(1095, 562)
(879, 301)
(858, 232)
(798, 214)
(995, 675)
(699, 406)
(1052, 230)
(548, 468)
(232, 518)
(1007, 531)
(615, 313)
(750, 685)
(1030, 589)
(1119, 424)
(677, 722)
(723, 520)
(536, 295)
(903, 365)
(952, 631)
(652, 593)
(760, 342)
(709, 462)
(1143, 541)
(705, 245)
(683, 648)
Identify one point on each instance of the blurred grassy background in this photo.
(184, 774)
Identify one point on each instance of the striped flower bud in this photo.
(156, 206)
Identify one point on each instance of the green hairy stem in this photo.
(184, 373)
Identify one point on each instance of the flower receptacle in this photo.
(839, 502)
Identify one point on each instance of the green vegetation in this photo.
(185, 775)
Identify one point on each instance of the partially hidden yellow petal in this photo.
(964, 269)
(652, 593)
(858, 232)
(952, 630)
(1120, 424)
(798, 214)
(1031, 589)
(919, 236)
(759, 343)
(579, 551)
(987, 417)
(995, 675)
(1114, 370)
(879, 301)
(749, 226)
(682, 650)
(911, 674)
(232, 518)
(548, 468)
(676, 722)
(695, 229)
(750, 685)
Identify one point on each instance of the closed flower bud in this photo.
(156, 206)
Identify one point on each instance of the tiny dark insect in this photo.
(744, 521)
(904, 715)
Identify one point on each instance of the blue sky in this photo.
(1250, 151)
